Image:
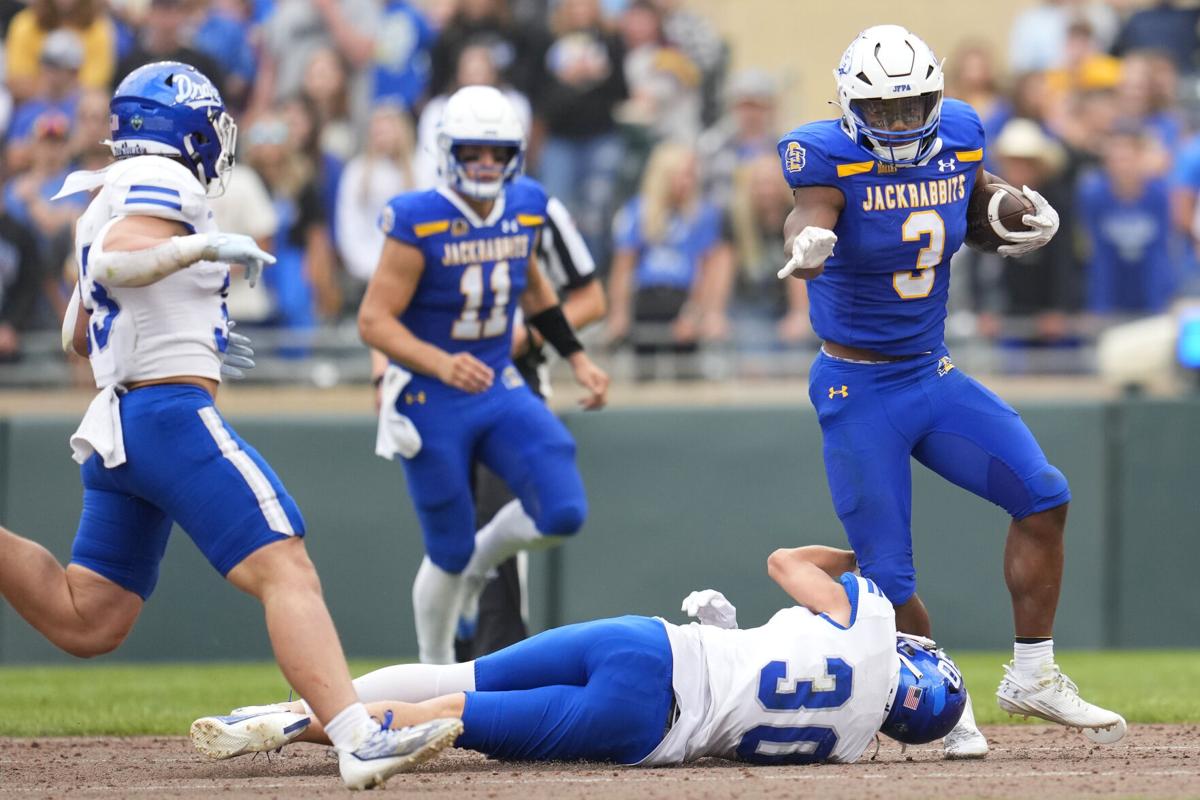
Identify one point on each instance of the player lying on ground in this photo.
(154, 450)
(813, 684)
(881, 199)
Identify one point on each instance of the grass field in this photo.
(162, 699)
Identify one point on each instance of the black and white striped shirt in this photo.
(568, 264)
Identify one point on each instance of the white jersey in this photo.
(797, 690)
(175, 326)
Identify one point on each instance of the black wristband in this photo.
(553, 326)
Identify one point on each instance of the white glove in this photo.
(1044, 224)
(810, 249)
(238, 356)
(237, 248)
(711, 608)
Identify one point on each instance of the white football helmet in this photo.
(479, 115)
(890, 90)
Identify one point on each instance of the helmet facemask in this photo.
(463, 178)
(900, 130)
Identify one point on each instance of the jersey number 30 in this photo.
(808, 744)
(468, 325)
(918, 282)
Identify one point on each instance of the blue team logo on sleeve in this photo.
(794, 157)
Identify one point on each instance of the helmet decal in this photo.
(172, 109)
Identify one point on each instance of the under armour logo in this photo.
(946, 164)
(417, 399)
(844, 391)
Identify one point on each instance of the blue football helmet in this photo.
(930, 695)
(171, 109)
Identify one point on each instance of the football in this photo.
(996, 208)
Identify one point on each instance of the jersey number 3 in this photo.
(468, 325)
(918, 282)
(808, 744)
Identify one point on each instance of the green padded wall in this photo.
(681, 498)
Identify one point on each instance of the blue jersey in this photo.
(475, 269)
(885, 286)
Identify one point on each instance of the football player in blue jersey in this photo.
(881, 197)
(440, 306)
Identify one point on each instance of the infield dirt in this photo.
(1026, 761)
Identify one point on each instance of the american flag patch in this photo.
(913, 698)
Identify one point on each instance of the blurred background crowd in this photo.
(662, 151)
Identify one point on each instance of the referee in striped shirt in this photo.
(564, 259)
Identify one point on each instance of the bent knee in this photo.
(97, 641)
(898, 584)
(451, 556)
(1048, 491)
(564, 519)
(280, 564)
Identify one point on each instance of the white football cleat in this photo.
(965, 740)
(253, 729)
(387, 752)
(1055, 697)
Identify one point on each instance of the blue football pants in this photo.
(599, 691)
(508, 429)
(874, 417)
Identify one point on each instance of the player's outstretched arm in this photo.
(388, 295)
(797, 572)
(808, 230)
(541, 307)
(139, 250)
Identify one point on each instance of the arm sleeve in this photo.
(804, 162)
(395, 223)
(153, 189)
(566, 247)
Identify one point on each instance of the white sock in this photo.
(415, 683)
(510, 531)
(967, 720)
(1028, 659)
(350, 728)
(436, 599)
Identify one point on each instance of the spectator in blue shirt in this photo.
(401, 68)
(1124, 210)
(664, 287)
(224, 33)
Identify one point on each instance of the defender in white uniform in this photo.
(814, 684)
(149, 312)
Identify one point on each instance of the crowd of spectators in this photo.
(664, 155)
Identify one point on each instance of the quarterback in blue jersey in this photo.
(457, 261)
(881, 198)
